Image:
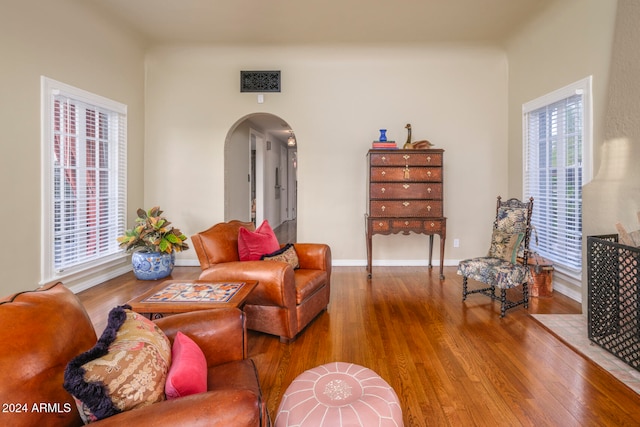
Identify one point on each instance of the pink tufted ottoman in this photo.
(339, 394)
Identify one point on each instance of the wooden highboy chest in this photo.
(405, 195)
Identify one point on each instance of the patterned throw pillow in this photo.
(286, 254)
(126, 369)
(505, 245)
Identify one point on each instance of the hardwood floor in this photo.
(451, 363)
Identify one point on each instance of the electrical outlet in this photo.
(456, 243)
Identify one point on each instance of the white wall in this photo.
(615, 191)
(614, 194)
(64, 41)
(569, 41)
(336, 99)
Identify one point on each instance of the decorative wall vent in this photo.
(259, 81)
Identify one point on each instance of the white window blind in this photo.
(557, 155)
(85, 177)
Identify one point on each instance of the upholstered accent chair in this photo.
(286, 299)
(505, 265)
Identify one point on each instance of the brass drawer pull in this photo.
(429, 173)
(405, 204)
(406, 172)
(406, 223)
(429, 208)
(383, 189)
(380, 224)
(406, 186)
(429, 159)
(383, 173)
(383, 208)
(433, 224)
(406, 157)
(384, 159)
(429, 190)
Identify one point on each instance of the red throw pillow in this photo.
(188, 372)
(253, 244)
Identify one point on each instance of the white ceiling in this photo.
(318, 22)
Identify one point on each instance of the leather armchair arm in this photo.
(221, 408)
(314, 256)
(220, 333)
(276, 282)
(198, 245)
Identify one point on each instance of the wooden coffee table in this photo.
(180, 296)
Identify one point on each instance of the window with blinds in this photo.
(84, 178)
(557, 146)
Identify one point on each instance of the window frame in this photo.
(117, 182)
(581, 87)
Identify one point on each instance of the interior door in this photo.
(257, 140)
(284, 179)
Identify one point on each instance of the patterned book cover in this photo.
(196, 292)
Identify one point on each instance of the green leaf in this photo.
(173, 238)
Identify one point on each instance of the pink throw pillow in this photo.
(188, 372)
(253, 244)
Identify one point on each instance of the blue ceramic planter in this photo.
(152, 265)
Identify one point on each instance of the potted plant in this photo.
(153, 242)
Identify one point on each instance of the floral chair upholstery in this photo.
(505, 266)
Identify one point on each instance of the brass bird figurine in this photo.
(418, 145)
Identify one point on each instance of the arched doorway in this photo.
(260, 173)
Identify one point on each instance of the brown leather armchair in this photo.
(42, 330)
(285, 300)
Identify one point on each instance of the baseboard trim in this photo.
(187, 263)
(96, 279)
(392, 263)
(567, 291)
